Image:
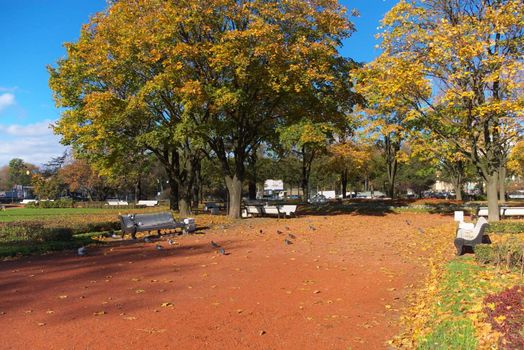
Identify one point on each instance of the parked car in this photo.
(317, 199)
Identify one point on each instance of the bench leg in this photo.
(459, 244)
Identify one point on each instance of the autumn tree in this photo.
(459, 64)
(172, 75)
(80, 177)
(348, 158)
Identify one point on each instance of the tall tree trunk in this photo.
(492, 191)
(196, 188)
(252, 180)
(344, 182)
(234, 187)
(138, 190)
(392, 173)
(502, 184)
(173, 194)
(457, 186)
(184, 199)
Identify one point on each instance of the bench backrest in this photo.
(480, 227)
(127, 221)
(153, 219)
(271, 210)
(253, 209)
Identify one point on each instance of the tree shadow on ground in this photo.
(105, 271)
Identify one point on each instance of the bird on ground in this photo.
(292, 235)
(287, 228)
(159, 247)
(222, 251)
(420, 230)
(82, 251)
(147, 240)
(279, 232)
(215, 245)
(261, 231)
(287, 241)
(407, 222)
(312, 228)
(170, 242)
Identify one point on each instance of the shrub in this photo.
(509, 253)
(33, 232)
(43, 231)
(506, 314)
(506, 227)
(60, 203)
(484, 253)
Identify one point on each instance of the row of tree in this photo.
(183, 83)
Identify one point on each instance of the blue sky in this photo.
(32, 34)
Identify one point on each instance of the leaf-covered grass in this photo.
(449, 312)
(458, 332)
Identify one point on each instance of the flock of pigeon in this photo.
(82, 251)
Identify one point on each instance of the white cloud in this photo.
(34, 143)
(38, 129)
(6, 100)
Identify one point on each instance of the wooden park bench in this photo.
(470, 237)
(133, 223)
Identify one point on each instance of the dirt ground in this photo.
(341, 284)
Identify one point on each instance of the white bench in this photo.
(254, 210)
(470, 236)
(116, 202)
(271, 210)
(148, 203)
(504, 211)
(27, 201)
(289, 210)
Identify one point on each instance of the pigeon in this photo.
(147, 240)
(222, 251)
(287, 228)
(261, 231)
(279, 232)
(292, 235)
(420, 230)
(159, 247)
(170, 242)
(215, 245)
(312, 228)
(407, 222)
(288, 242)
(82, 251)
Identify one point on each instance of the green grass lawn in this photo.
(20, 214)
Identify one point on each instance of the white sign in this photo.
(273, 185)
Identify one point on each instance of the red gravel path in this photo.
(340, 285)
